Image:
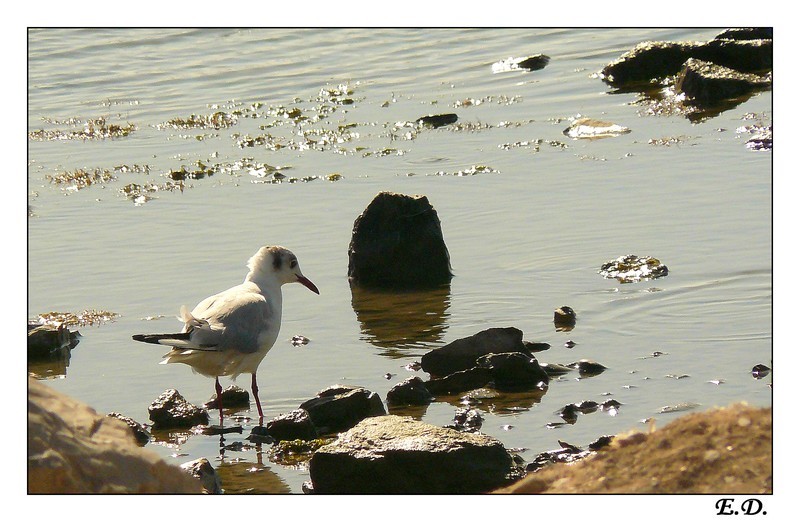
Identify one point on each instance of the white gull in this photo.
(229, 333)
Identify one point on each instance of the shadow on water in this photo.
(398, 319)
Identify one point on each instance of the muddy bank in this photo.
(720, 451)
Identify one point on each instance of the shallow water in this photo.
(525, 238)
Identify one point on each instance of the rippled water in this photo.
(525, 237)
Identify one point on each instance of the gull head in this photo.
(276, 263)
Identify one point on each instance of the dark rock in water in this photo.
(232, 397)
(139, 432)
(397, 242)
(48, 341)
(649, 62)
(535, 347)
(467, 419)
(746, 33)
(588, 368)
(202, 470)
(564, 318)
(707, 84)
(438, 120)
(340, 407)
(586, 407)
(463, 353)
(293, 425)
(260, 435)
(398, 455)
(411, 391)
(760, 371)
(171, 410)
(461, 381)
(534, 63)
(513, 370)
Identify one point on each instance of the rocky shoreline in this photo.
(73, 449)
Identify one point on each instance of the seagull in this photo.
(229, 333)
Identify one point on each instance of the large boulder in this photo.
(74, 450)
(398, 455)
(339, 408)
(463, 354)
(397, 242)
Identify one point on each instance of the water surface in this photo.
(525, 237)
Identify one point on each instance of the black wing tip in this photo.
(155, 338)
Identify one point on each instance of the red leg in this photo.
(218, 389)
(255, 394)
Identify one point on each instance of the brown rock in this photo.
(73, 449)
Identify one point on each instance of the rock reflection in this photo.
(249, 477)
(398, 319)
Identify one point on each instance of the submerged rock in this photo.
(564, 318)
(171, 410)
(463, 354)
(632, 268)
(438, 120)
(341, 407)
(411, 391)
(588, 368)
(397, 242)
(398, 455)
(530, 63)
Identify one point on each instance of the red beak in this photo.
(308, 284)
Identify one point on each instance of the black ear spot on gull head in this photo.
(277, 261)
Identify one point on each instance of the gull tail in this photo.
(165, 339)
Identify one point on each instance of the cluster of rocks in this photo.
(707, 75)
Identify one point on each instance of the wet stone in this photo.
(588, 368)
(514, 370)
(139, 432)
(399, 455)
(202, 470)
(467, 419)
(411, 391)
(171, 410)
(564, 318)
(397, 242)
(461, 381)
(291, 426)
(463, 354)
(49, 341)
(339, 408)
(232, 397)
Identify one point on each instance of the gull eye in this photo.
(293, 264)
